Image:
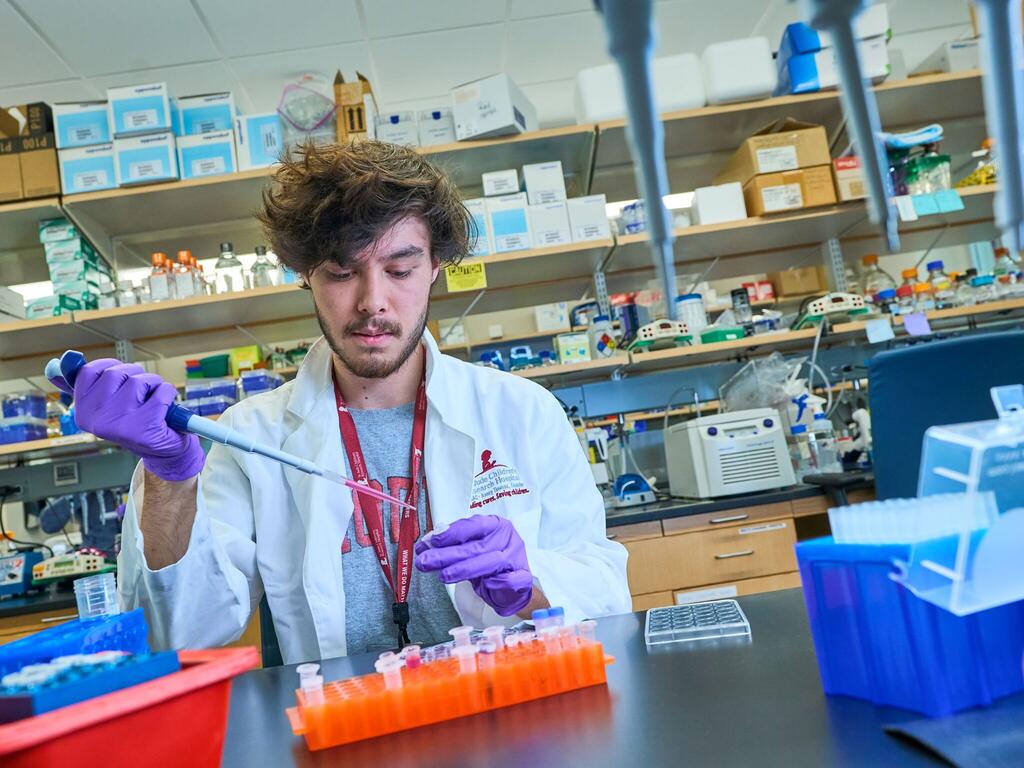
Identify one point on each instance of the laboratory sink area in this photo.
(424, 383)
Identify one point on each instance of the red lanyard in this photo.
(373, 511)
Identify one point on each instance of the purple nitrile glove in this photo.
(122, 403)
(486, 551)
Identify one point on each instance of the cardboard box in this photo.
(66, 272)
(544, 182)
(206, 154)
(204, 113)
(588, 219)
(37, 156)
(790, 190)
(10, 171)
(397, 128)
(483, 243)
(55, 230)
(26, 120)
(493, 106)
(552, 317)
(139, 109)
(73, 249)
(436, 126)
(500, 182)
(849, 177)
(718, 204)
(85, 292)
(356, 107)
(509, 223)
(572, 347)
(812, 72)
(81, 123)
(799, 282)
(50, 306)
(952, 56)
(549, 225)
(784, 145)
(258, 140)
(87, 169)
(145, 159)
(12, 304)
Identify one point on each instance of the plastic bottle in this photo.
(602, 337)
(126, 296)
(800, 451)
(964, 292)
(159, 280)
(825, 439)
(690, 310)
(262, 269)
(942, 287)
(904, 300)
(875, 279)
(984, 289)
(1004, 263)
(184, 283)
(909, 277)
(229, 270)
(923, 299)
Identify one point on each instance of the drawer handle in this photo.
(48, 619)
(613, 536)
(728, 555)
(728, 519)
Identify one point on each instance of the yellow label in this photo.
(466, 277)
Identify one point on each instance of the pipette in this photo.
(62, 374)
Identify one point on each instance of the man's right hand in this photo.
(122, 403)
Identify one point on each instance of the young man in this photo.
(489, 459)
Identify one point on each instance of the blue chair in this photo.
(930, 383)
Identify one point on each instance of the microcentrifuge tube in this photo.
(466, 654)
(307, 670)
(495, 635)
(313, 689)
(566, 637)
(550, 638)
(556, 616)
(411, 654)
(588, 631)
(461, 635)
(486, 658)
(540, 618)
(392, 670)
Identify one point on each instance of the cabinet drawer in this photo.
(726, 518)
(13, 627)
(743, 552)
(737, 588)
(635, 531)
(652, 600)
(652, 566)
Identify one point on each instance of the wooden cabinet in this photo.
(14, 627)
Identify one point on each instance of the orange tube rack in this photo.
(364, 707)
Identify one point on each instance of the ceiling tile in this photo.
(36, 62)
(264, 76)
(539, 49)
(259, 29)
(554, 102)
(388, 18)
(410, 66)
(121, 35)
(184, 80)
(61, 90)
(528, 9)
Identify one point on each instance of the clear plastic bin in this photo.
(19, 429)
(876, 640)
(254, 382)
(23, 404)
(213, 406)
(224, 387)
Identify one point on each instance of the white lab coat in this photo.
(262, 528)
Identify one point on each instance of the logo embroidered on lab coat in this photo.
(495, 481)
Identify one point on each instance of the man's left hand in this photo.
(486, 551)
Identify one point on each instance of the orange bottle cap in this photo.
(1002, 251)
(922, 287)
(870, 258)
(909, 273)
(157, 258)
(184, 256)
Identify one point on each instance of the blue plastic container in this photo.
(123, 632)
(24, 404)
(876, 641)
(19, 429)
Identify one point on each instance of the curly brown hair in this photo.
(328, 202)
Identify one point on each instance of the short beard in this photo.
(375, 367)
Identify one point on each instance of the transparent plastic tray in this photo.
(696, 621)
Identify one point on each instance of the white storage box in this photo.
(678, 84)
(493, 106)
(139, 109)
(544, 182)
(145, 159)
(204, 113)
(258, 141)
(81, 124)
(484, 243)
(588, 219)
(510, 226)
(549, 225)
(718, 204)
(206, 154)
(12, 305)
(87, 169)
(739, 70)
(436, 126)
(552, 317)
(500, 182)
(812, 72)
(951, 56)
(397, 128)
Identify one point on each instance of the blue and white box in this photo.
(81, 123)
(204, 113)
(436, 126)
(145, 159)
(509, 223)
(258, 140)
(812, 72)
(799, 37)
(482, 244)
(87, 169)
(139, 109)
(206, 154)
(397, 128)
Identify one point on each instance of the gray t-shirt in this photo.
(385, 435)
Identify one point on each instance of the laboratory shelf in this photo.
(21, 254)
(514, 339)
(722, 350)
(567, 372)
(27, 345)
(769, 243)
(697, 141)
(48, 447)
(573, 145)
